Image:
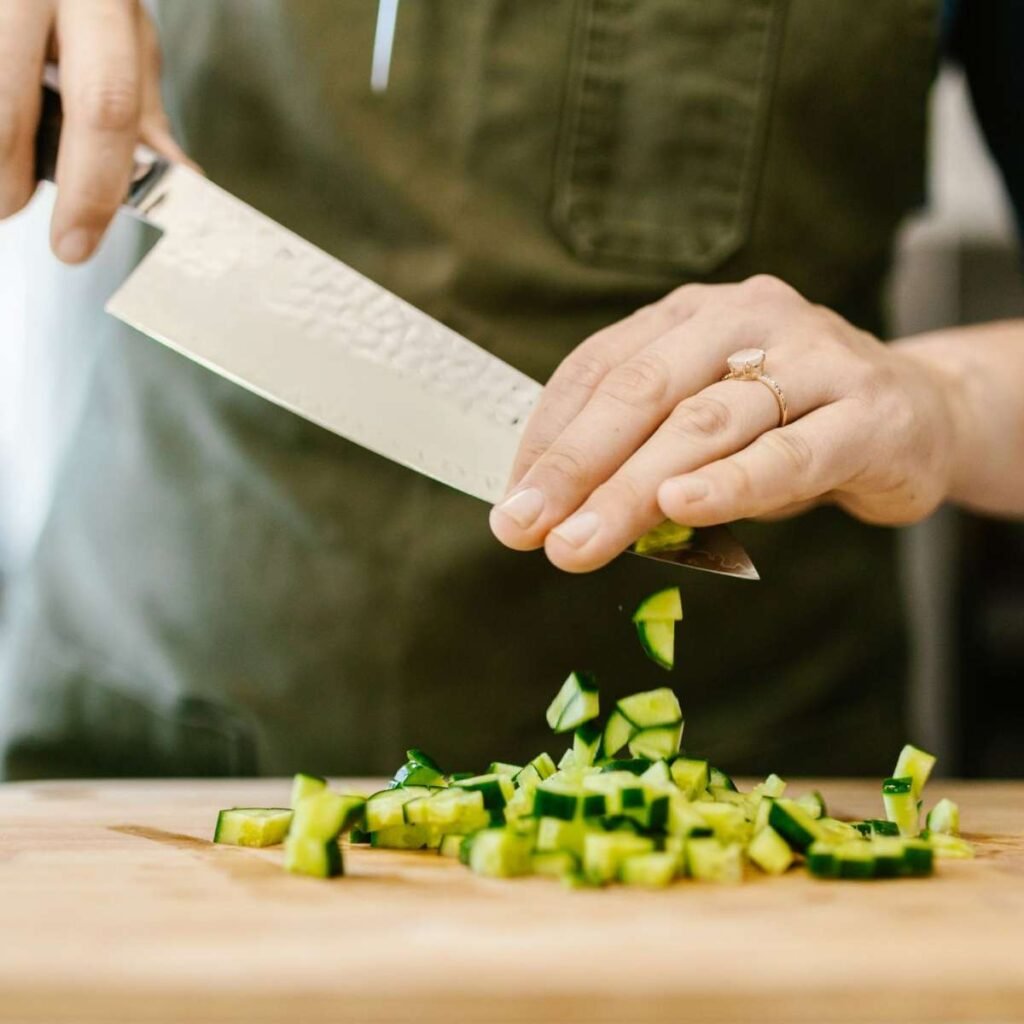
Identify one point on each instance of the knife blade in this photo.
(252, 301)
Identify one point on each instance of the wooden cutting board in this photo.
(116, 907)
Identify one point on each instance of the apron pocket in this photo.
(662, 129)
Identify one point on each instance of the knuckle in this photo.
(765, 288)
(112, 105)
(793, 449)
(583, 369)
(624, 492)
(679, 302)
(700, 419)
(739, 482)
(641, 381)
(567, 462)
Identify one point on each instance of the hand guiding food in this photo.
(638, 425)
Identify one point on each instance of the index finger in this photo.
(101, 89)
(579, 374)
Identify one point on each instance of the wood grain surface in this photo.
(117, 907)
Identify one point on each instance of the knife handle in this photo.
(149, 166)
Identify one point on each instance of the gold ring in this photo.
(748, 364)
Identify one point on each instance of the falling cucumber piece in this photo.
(655, 620)
(664, 605)
(576, 702)
(658, 639)
(252, 826)
(668, 536)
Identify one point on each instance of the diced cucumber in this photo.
(652, 870)
(770, 852)
(762, 810)
(658, 774)
(309, 856)
(876, 827)
(716, 777)
(414, 812)
(658, 639)
(651, 708)
(539, 769)
(690, 775)
(774, 787)
(452, 810)
(304, 785)
(420, 769)
(576, 702)
(325, 815)
(812, 803)
(556, 834)
(451, 844)
(917, 765)
(617, 733)
(855, 859)
(500, 853)
(252, 826)
(793, 823)
(385, 809)
(586, 744)
(889, 853)
(834, 831)
(663, 605)
(945, 845)
(406, 837)
(730, 796)
(901, 804)
(497, 789)
(676, 845)
(944, 817)
(634, 765)
(821, 860)
(918, 858)
(661, 741)
(667, 536)
(604, 852)
(685, 820)
(709, 861)
(551, 800)
(726, 821)
(502, 768)
(554, 863)
(622, 791)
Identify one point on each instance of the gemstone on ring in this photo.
(747, 364)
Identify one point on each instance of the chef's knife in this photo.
(252, 301)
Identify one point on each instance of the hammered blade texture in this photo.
(254, 302)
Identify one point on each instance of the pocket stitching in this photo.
(646, 242)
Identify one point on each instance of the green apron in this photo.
(222, 587)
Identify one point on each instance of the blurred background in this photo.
(959, 262)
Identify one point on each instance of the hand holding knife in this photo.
(252, 301)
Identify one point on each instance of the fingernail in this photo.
(689, 488)
(579, 529)
(524, 507)
(75, 246)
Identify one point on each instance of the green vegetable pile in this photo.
(623, 804)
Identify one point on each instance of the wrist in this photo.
(953, 381)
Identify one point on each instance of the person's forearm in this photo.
(982, 368)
